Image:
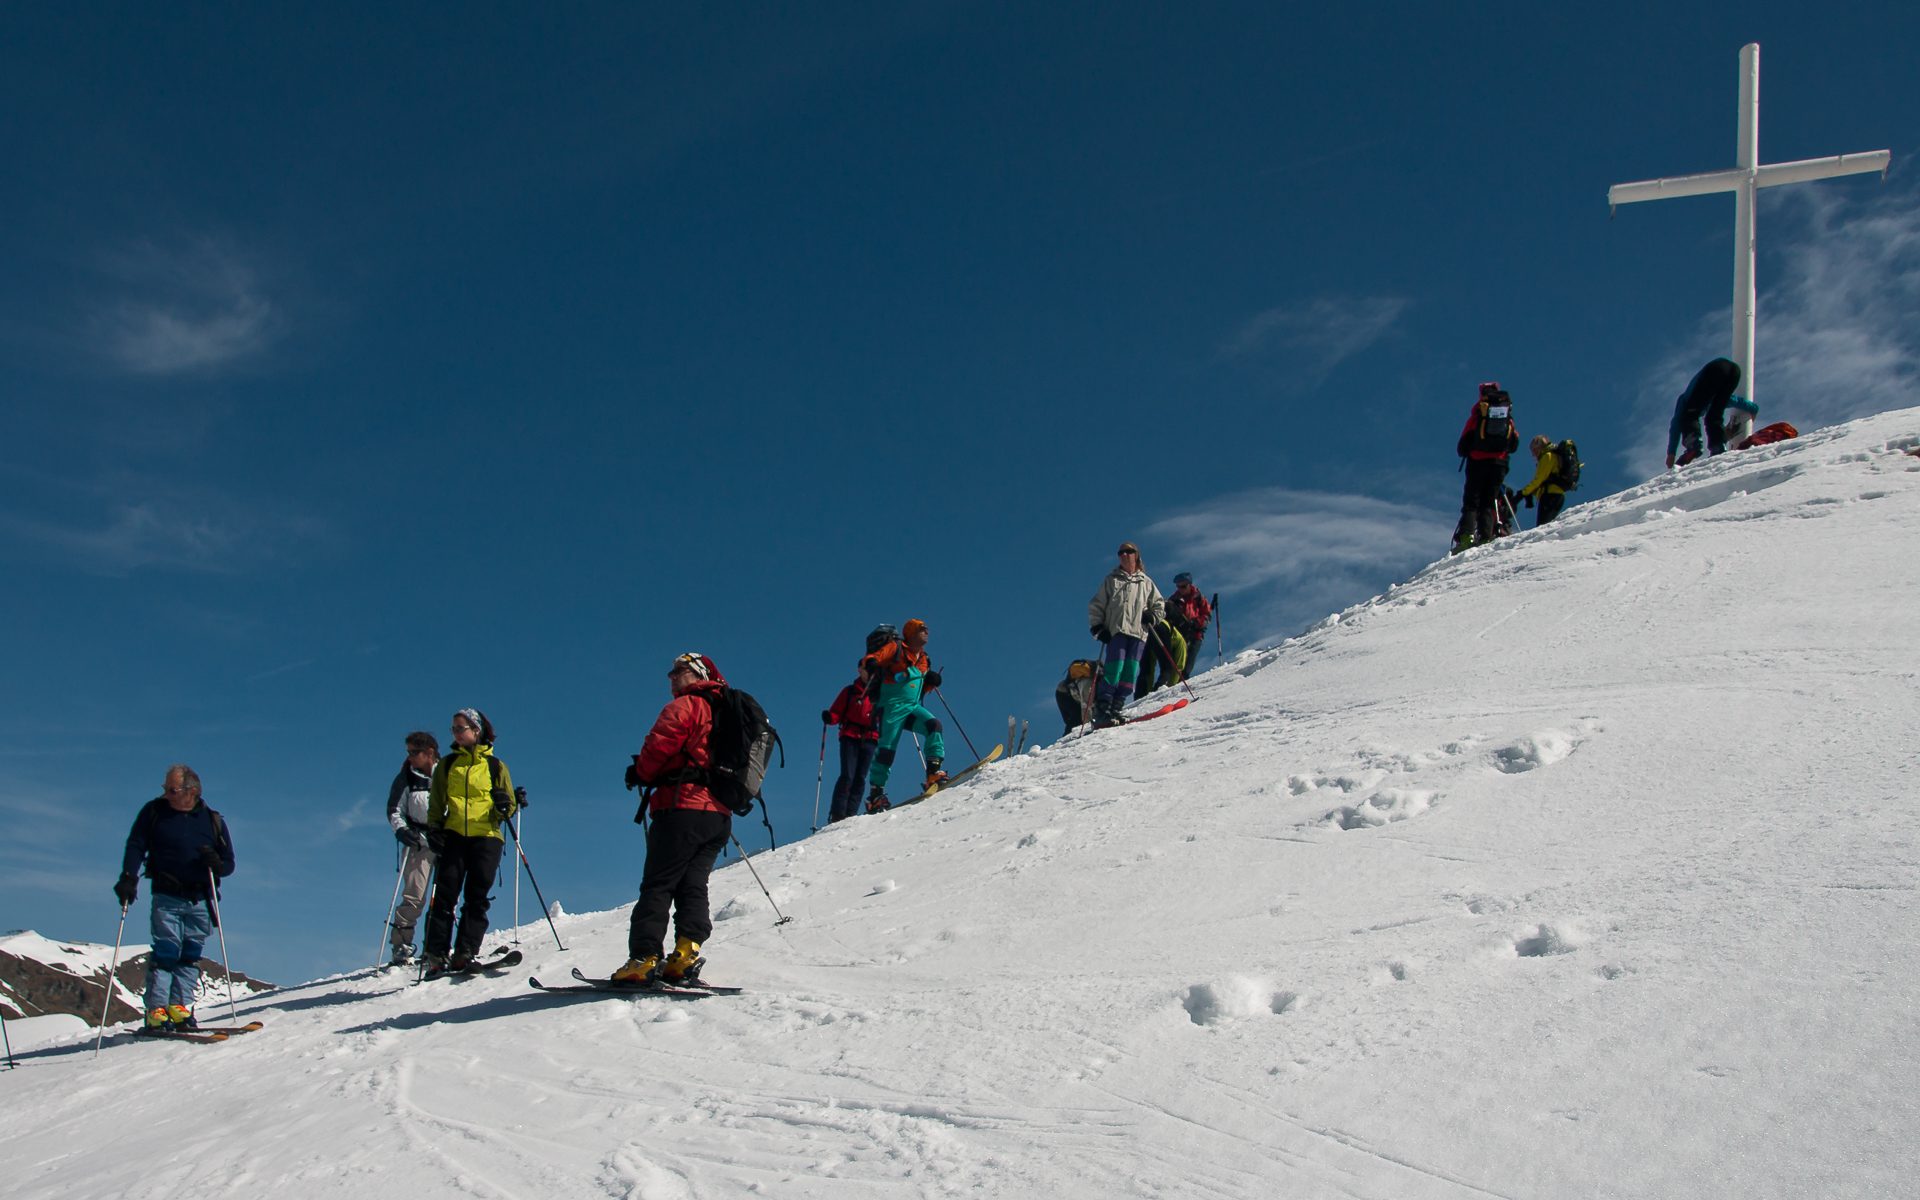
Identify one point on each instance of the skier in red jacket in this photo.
(688, 830)
(852, 711)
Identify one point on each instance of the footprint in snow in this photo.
(1541, 749)
(1382, 808)
(1213, 1003)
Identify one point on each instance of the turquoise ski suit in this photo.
(898, 677)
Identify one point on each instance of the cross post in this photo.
(1744, 180)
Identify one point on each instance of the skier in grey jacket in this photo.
(407, 802)
(1120, 614)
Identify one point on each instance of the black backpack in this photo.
(1493, 432)
(881, 635)
(741, 746)
(1567, 478)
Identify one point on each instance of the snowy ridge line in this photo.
(1398, 911)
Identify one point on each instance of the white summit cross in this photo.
(1743, 180)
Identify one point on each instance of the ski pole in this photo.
(433, 889)
(113, 964)
(9, 1041)
(513, 828)
(226, 963)
(1219, 639)
(516, 888)
(820, 777)
(399, 877)
(956, 724)
(1166, 656)
(756, 878)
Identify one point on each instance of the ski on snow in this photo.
(992, 754)
(502, 960)
(586, 983)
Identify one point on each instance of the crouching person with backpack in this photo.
(689, 827)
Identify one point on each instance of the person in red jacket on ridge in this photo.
(852, 711)
(688, 830)
(1189, 612)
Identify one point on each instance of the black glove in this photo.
(633, 776)
(1101, 632)
(933, 681)
(519, 797)
(502, 809)
(826, 716)
(1528, 500)
(410, 836)
(438, 840)
(126, 889)
(210, 857)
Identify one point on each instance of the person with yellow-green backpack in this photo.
(470, 798)
(1556, 472)
(1165, 661)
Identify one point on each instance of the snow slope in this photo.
(1581, 865)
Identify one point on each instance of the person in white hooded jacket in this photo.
(407, 802)
(1121, 612)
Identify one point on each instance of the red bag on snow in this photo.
(1779, 431)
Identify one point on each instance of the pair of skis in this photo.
(1163, 710)
(585, 983)
(503, 959)
(1018, 743)
(205, 1035)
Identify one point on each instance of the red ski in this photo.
(1176, 706)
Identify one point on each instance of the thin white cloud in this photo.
(1288, 557)
(1316, 335)
(95, 529)
(1838, 334)
(195, 307)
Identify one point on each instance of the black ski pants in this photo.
(1549, 503)
(1485, 476)
(467, 865)
(682, 844)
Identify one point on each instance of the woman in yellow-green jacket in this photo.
(471, 798)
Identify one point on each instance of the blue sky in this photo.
(363, 366)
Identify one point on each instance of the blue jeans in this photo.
(180, 932)
(856, 757)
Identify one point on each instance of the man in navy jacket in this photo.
(186, 849)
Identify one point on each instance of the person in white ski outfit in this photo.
(407, 802)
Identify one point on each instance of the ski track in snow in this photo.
(1579, 865)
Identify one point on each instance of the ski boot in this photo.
(181, 1018)
(935, 776)
(639, 971)
(402, 955)
(464, 962)
(683, 965)
(156, 1024)
(877, 801)
(435, 966)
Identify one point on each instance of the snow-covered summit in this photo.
(1580, 865)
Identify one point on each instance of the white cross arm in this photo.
(1771, 175)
